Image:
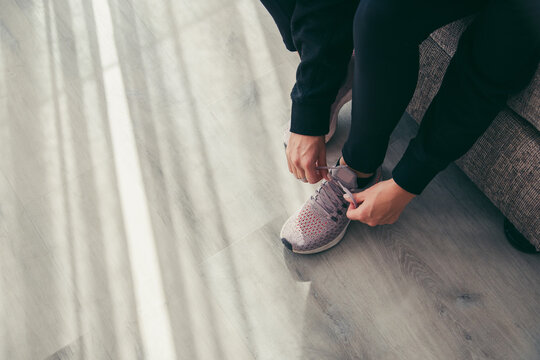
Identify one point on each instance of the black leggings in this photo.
(496, 57)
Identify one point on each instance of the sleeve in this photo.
(322, 34)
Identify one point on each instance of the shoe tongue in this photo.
(345, 175)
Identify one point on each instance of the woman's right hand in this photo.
(304, 153)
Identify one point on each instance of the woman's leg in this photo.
(497, 56)
(387, 34)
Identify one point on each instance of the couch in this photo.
(505, 162)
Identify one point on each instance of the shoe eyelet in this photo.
(334, 218)
(340, 212)
(345, 205)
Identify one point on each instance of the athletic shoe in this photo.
(343, 96)
(322, 221)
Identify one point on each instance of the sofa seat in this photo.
(505, 162)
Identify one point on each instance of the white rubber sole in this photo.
(325, 247)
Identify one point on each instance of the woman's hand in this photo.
(380, 204)
(304, 153)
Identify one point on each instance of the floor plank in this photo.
(143, 185)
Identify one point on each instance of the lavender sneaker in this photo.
(343, 96)
(322, 221)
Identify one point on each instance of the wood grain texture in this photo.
(143, 185)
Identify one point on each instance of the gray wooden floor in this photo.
(143, 185)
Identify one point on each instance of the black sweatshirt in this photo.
(497, 56)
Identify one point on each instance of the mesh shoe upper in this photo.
(322, 218)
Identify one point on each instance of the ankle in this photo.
(358, 173)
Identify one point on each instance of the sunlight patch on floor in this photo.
(153, 317)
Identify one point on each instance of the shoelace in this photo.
(329, 196)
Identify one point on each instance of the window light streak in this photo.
(153, 317)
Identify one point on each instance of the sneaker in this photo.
(343, 96)
(322, 221)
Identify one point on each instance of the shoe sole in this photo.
(324, 247)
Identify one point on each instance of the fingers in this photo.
(299, 173)
(303, 153)
(351, 214)
(294, 168)
(359, 197)
(312, 174)
(321, 161)
(362, 214)
(303, 170)
(289, 165)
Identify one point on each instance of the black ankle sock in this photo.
(361, 182)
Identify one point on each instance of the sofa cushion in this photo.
(503, 164)
(526, 103)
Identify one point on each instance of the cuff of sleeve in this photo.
(415, 170)
(310, 119)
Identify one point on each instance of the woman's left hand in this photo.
(379, 204)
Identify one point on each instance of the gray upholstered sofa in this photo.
(505, 162)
